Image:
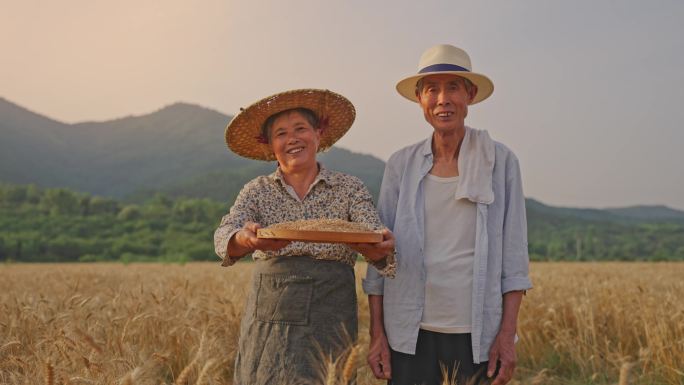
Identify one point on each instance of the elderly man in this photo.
(455, 204)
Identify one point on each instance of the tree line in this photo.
(60, 225)
(605, 241)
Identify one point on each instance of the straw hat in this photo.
(335, 114)
(446, 59)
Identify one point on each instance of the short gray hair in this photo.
(308, 114)
(466, 82)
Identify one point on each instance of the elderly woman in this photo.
(302, 304)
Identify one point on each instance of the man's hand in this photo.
(376, 251)
(379, 357)
(503, 351)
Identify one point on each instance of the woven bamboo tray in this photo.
(321, 236)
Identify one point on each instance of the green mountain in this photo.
(625, 215)
(648, 213)
(178, 150)
(633, 233)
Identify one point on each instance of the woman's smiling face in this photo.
(294, 142)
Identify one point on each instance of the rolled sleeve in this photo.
(222, 236)
(361, 210)
(374, 283)
(515, 269)
(387, 267)
(389, 194)
(515, 284)
(221, 245)
(243, 211)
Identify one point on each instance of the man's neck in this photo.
(446, 145)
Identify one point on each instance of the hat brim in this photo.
(243, 133)
(485, 87)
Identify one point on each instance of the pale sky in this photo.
(587, 92)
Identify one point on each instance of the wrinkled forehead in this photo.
(294, 116)
(287, 117)
(290, 114)
(442, 79)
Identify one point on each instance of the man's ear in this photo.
(472, 94)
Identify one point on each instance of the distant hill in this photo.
(648, 213)
(178, 150)
(633, 233)
(633, 214)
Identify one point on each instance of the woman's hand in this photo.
(245, 241)
(376, 251)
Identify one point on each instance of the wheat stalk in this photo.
(446, 378)
(185, 373)
(81, 380)
(9, 345)
(123, 332)
(49, 374)
(624, 373)
(350, 364)
(540, 378)
(201, 379)
(89, 340)
(331, 377)
(128, 379)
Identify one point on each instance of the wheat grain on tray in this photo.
(325, 224)
(322, 230)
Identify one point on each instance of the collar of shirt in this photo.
(324, 175)
(475, 165)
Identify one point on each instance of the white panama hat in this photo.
(446, 59)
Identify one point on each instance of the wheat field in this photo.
(590, 323)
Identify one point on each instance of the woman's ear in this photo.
(318, 132)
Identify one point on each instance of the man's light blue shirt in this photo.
(500, 262)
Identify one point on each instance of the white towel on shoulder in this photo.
(475, 167)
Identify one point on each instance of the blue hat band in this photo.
(443, 68)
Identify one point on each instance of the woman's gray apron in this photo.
(299, 311)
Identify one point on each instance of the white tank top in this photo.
(449, 250)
